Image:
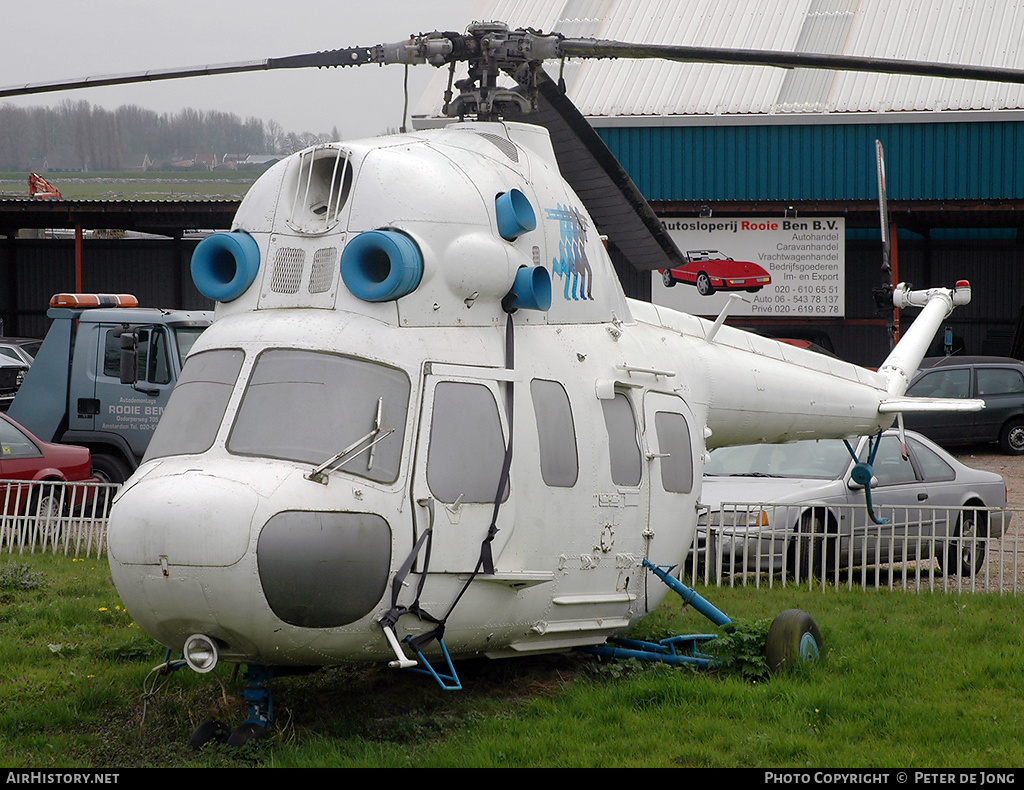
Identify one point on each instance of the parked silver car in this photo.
(809, 515)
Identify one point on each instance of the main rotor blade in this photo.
(355, 56)
(595, 48)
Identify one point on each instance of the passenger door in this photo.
(461, 449)
(671, 454)
(1002, 389)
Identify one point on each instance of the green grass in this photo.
(908, 681)
(152, 185)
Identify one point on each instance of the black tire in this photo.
(704, 286)
(249, 731)
(668, 279)
(110, 468)
(793, 640)
(1011, 437)
(965, 551)
(48, 511)
(209, 730)
(807, 551)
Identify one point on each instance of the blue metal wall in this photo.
(926, 161)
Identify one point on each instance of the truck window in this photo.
(152, 362)
(196, 408)
(308, 406)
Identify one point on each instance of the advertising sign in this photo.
(780, 267)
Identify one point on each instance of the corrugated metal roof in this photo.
(980, 32)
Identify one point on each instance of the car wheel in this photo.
(109, 468)
(965, 551)
(810, 552)
(793, 639)
(48, 511)
(668, 279)
(704, 286)
(1011, 438)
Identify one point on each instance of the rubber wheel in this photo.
(668, 279)
(209, 730)
(109, 468)
(1011, 438)
(793, 639)
(704, 286)
(965, 552)
(250, 731)
(45, 507)
(809, 548)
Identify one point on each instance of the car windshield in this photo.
(821, 459)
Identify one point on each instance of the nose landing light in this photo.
(201, 653)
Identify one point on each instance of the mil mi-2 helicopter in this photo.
(426, 423)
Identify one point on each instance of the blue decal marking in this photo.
(572, 264)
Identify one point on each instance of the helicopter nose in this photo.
(180, 562)
(323, 569)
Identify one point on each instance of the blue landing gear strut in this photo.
(261, 714)
(675, 649)
(792, 639)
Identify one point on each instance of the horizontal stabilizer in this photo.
(911, 405)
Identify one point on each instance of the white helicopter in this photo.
(426, 422)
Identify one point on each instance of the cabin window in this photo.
(196, 408)
(467, 447)
(152, 363)
(674, 445)
(623, 441)
(559, 463)
(308, 406)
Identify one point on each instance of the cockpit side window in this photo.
(196, 408)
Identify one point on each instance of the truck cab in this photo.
(103, 376)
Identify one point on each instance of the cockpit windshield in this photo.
(304, 406)
(310, 406)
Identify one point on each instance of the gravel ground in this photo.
(1004, 570)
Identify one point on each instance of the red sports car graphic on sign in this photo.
(712, 271)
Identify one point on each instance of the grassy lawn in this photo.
(137, 186)
(908, 681)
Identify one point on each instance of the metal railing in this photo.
(61, 518)
(824, 546)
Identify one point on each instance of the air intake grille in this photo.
(287, 270)
(324, 264)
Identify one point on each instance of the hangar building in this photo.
(709, 145)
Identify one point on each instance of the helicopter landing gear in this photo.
(793, 638)
(261, 714)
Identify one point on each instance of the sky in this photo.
(71, 39)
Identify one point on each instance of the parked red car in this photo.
(712, 271)
(23, 456)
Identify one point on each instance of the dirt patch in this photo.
(1004, 569)
(1011, 467)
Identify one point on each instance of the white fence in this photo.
(813, 545)
(825, 546)
(61, 518)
